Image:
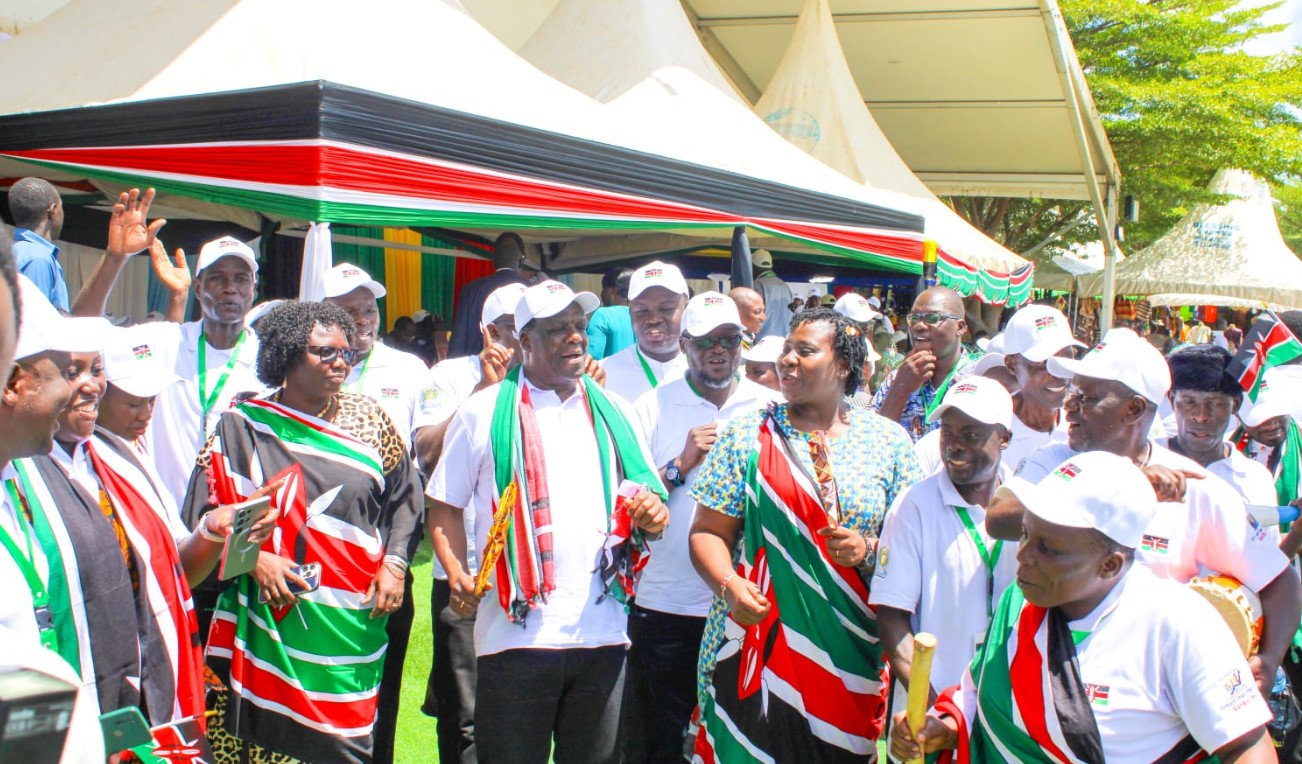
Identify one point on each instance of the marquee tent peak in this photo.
(813, 101)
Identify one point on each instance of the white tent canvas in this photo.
(1218, 253)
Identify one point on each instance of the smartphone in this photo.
(240, 555)
(124, 728)
(309, 572)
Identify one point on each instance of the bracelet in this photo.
(395, 564)
(207, 532)
(723, 587)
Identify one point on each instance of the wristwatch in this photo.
(673, 474)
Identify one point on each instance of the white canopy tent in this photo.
(1219, 254)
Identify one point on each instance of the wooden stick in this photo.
(924, 646)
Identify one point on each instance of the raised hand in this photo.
(175, 276)
(129, 228)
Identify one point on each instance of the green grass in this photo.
(417, 741)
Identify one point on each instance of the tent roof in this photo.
(971, 93)
(1230, 250)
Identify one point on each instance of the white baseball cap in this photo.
(134, 366)
(708, 311)
(985, 400)
(1272, 401)
(501, 302)
(1124, 357)
(855, 307)
(875, 301)
(226, 246)
(548, 298)
(345, 277)
(1038, 331)
(987, 362)
(1092, 489)
(256, 313)
(767, 350)
(44, 328)
(761, 258)
(657, 274)
(993, 344)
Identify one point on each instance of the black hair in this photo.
(1293, 320)
(508, 250)
(29, 198)
(1101, 542)
(9, 272)
(847, 341)
(283, 335)
(1202, 368)
(404, 322)
(617, 279)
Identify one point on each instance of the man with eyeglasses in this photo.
(657, 295)
(1201, 524)
(680, 420)
(938, 359)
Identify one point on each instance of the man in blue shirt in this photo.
(37, 211)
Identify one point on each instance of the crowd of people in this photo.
(665, 525)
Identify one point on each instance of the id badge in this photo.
(45, 625)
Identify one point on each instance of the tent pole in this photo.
(742, 274)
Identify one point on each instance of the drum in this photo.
(1237, 604)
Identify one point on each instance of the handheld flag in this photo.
(180, 742)
(1269, 343)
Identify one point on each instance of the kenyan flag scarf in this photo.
(525, 570)
(805, 684)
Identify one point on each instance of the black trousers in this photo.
(660, 690)
(526, 699)
(398, 628)
(450, 690)
(1290, 749)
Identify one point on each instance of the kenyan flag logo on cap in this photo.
(712, 301)
(351, 273)
(965, 387)
(142, 352)
(1067, 471)
(555, 287)
(653, 273)
(1045, 322)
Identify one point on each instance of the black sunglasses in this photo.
(328, 355)
(932, 318)
(705, 343)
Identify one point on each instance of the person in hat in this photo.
(550, 632)
(938, 570)
(776, 294)
(854, 307)
(681, 419)
(938, 359)
(611, 328)
(1268, 434)
(136, 375)
(989, 366)
(508, 255)
(657, 296)
(750, 306)
(1033, 335)
(1203, 524)
(1079, 665)
(762, 362)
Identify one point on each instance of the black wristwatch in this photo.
(673, 474)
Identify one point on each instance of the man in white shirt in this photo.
(551, 639)
(392, 377)
(681, 419)
(938, 571)
(1091, 657)
(657, 296)
(1201, 525)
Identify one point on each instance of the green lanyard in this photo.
(27, 565)
(356, 387)
(646, 368)
(207, 400)
(991, 559)
(941, 390)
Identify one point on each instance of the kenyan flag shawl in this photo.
(304, 680)
(525, 569)
(1032, 705)
(803, 685)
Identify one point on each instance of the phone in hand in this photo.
(309, 572)
(240, 555)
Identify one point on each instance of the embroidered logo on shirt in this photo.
(1259, 533)
(883, 557)
(142, 352)
(1154, 544)
(1067, 471)
(1097, 693)
(388, 392)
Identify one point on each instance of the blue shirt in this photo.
(610, 330)
(38, 260)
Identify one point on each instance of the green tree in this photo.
(1180, 100)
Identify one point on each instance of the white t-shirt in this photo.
(393, 379)
(444, 387)
(174, 432)
(1022, 441)
(669, 583)
(572, 617)
(626, 377)
(1164, 673)
(1211, 528)
(1249, 478)
(929, 565)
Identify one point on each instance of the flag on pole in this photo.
(1269, 343)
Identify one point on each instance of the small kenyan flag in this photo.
(1044, 322)
(1067, 471)
(653, 273)
(1097, 693)
(1268, 343)
(1154, 544)
(142, 352)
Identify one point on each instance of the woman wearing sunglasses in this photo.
(303, 655)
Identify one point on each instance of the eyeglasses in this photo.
(931, 319)
(328, 355)
(731, 342)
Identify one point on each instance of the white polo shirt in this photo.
(392, 378)
(669, 583)
(572, 617)
(444, 387)
(1211, 528)
(1159, 674)
(1249, 478)
(627, 378)
(929, 565)
(1022, 441)
(174, 432)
